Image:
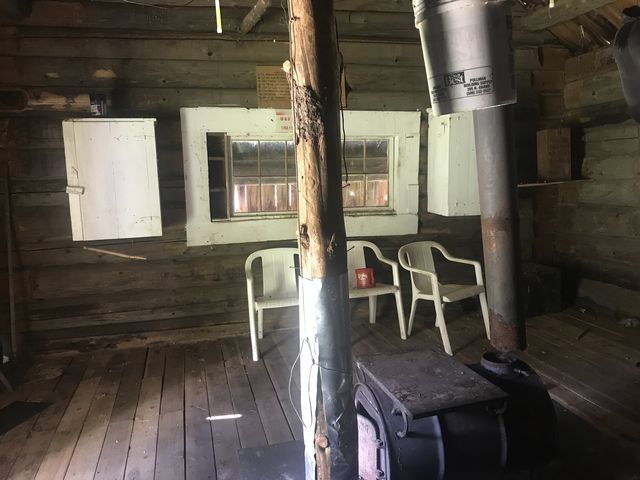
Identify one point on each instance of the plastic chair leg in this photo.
(373, 303)
(412, 315)
(403, 328)
(443, 327)
(260, 322)
(254, 336)
(485, 313)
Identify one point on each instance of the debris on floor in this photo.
(629, 322)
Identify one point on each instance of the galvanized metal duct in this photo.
(325, 364)
(627, 54)
(468, 56)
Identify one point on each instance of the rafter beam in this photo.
(254, 16)
(565, 10)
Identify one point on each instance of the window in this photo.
(365, 182)
(253, 176)
(250, 176)
(240, 179)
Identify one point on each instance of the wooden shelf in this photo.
(544, 184)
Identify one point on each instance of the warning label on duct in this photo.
(462, 84)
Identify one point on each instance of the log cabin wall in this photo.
(150, 61)
(592, 228)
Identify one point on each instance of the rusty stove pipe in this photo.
(500, 226)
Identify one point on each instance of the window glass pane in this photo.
(293, 196)
(272, 158)
(376, 156)
(377, 191)
(245, 158)
(353, 192)
(274, 194)
(246, 195)
(354, 153)
(291, 160)
(264, 175)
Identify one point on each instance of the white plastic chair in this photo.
(356, 259)
(279, 288)
(417, 258)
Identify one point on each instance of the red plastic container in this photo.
(365, 278)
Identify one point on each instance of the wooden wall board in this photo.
(151, 61)
(544, 17)
(599, 220)
(591, 228)
(614, 167)
(618, 192)
(52, 13)
(554, 154)
(371, 5)
(590, 63)
(593, 90)
(207, 50)
(48, 72)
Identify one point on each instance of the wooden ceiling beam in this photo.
(565, 10)
(254, 16)
(340, 5)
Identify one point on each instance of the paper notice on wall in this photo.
(273, 88)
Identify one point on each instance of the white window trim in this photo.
(404, 127)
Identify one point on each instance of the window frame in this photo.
(364, 209)
(399, 218)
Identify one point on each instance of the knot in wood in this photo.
(322, 441)
(303, 236)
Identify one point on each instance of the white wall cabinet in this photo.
(112, 178)
(452, 178)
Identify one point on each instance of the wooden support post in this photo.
(254, 16)
(4, 132)
(6, 192)
(330, 430)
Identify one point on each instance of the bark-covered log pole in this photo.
(328, 412)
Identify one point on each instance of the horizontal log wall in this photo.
(593, 227)
(150, 62)
(593, 90)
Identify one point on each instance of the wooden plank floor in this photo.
(140, 413)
